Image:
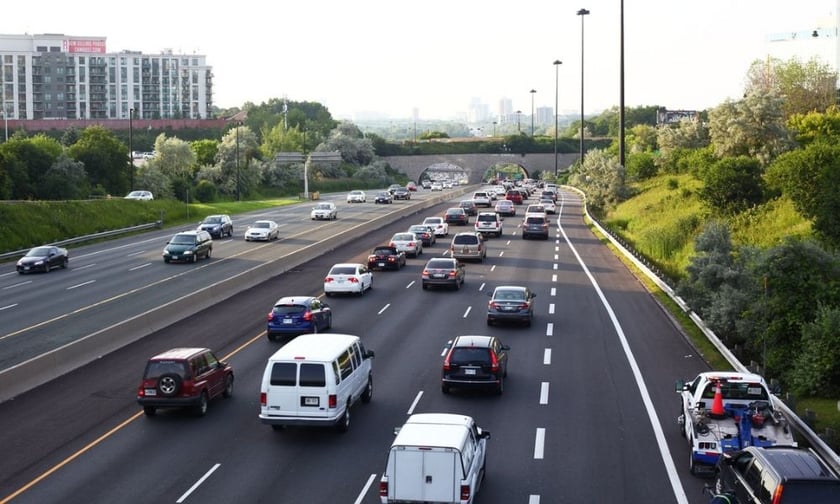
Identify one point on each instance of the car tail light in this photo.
(494, 363)
(383, 489)
(425, 272)
(446, 364)
(353, 280)
(492, 305)
(329, 279)
(270, 316)
(465, 492)
(307, 315)
(332, 401)
(263, 398)
(777, 494)
(392, 244)
(452, 273)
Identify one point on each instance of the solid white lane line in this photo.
(136, 253)
(414, 403)
(86, 266)
(547, 356)
(140, 267)
(17, 285)
(544, 393)
(539, 443)
(81, 284)
(384, 308)
(551, 308)
(197, 483)
(364, 491)
(7, 306)
(549, 329)
(467, 312)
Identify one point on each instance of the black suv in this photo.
(775, 475)
(475, 361)
(188, 246)
(184, 377)
(218, 226)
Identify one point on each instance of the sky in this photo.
(390, 57)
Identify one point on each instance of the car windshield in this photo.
(39, 252)
(440, 264)
(465, 240)
(212, 220)
(403, 237)
(264, 225)
(509, 295)
(535, 220)
(343, 270)
(467, 355)
(455, 211)
(487, 218)
(418, 229)
(433, 220)
(383, 251)
(183, 240)
(156, 369)
(288, 309)
(322, 206)
(384, 194)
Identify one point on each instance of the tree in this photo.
(810, 177)
(816, 126)
(65, 180)
(601, 178)
(641, 165)
(105, 159)
(151, 178)
(732, 185)
(804, 87)
(174, 158)
(641, 138)
(751, 127)
(816, 370)
(29, 159)
(354, 148)
(205, 151)
(238, 175)
(687, 134)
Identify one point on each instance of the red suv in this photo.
(184, 377)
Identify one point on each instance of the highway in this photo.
(588, 413)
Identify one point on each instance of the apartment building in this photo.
(56, 76)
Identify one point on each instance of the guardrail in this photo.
(90, 237)
(816, 442)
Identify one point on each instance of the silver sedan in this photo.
(262, 230)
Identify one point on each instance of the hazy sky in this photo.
(390, 56)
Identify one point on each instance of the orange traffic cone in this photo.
(717, 402)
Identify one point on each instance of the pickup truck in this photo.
(727, 411)
(436, 458)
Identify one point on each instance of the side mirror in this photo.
(679, 385)
(483, 434)
(369, 354)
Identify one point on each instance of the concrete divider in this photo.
(39, 370)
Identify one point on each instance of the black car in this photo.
(43, 259)
(456, 216)
(402, 194)
(217, 225)
(424, 233)
(385, 257)
(189, 246)
(469, 207)
(475, 361)
(777, 474)
(443, 271)
(384, 197)
(511, 303)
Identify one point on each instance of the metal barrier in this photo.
(82, 239)
(816, 442)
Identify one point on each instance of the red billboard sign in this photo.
(84, 45)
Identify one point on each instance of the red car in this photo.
(411, 186)
(515, 196)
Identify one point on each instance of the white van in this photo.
(314, 380)
(435, 458)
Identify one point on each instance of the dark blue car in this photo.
(294, 315)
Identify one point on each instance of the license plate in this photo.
(26, 268)
(287, 321)
(438, 276)
(150, 392)
(469, 371)
(382, 264)
(310, 401)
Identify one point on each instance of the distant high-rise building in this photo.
(505, 111)
(544, 116)
(56, 76)
(477, 111)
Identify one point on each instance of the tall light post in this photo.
(621, 146)
(130, 146)
(518, 127)
(494, 129)
(557, 64)
(581, 13)
(237, 162)
(533, 91)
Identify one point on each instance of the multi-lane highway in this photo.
(588, 412)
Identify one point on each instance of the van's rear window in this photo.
(284, 374)
(312, 375)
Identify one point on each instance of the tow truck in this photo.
(727, 411)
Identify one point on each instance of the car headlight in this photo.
(188, 252)
(39, 262)
(166, 252)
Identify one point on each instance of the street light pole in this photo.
(518, 128)
(237, 163)
(532, 111)
(130, 146)
(621, 146)
(557, 64)
(581, 13)
(494, 129)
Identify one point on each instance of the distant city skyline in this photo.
(678, 55)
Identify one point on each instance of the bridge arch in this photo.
(475, 165)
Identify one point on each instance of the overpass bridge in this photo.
(476, 165)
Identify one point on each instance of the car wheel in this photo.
(425, 286)
(329, 321)
(47, 267)
(368, 393)
(65, 263)
(278, 427)
(444, 387)
(169, 384)
(209, 253)
(201, 407)
(149, 410)
(692, 467)
(194, 258)
(457, 284)
(228, 392)
(489, 321)
(344, 422)
(166, 260)
(501, 387)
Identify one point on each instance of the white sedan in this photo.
(356, 197)
(438, 224)
(262, 230)
(408, 243)
(324, 211)
(549, 205)
(348, 278)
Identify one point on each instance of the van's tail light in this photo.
(494, 363)
(263, 398)
(332, 401)
(307, 315)
(465, 492)
(383, 489)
